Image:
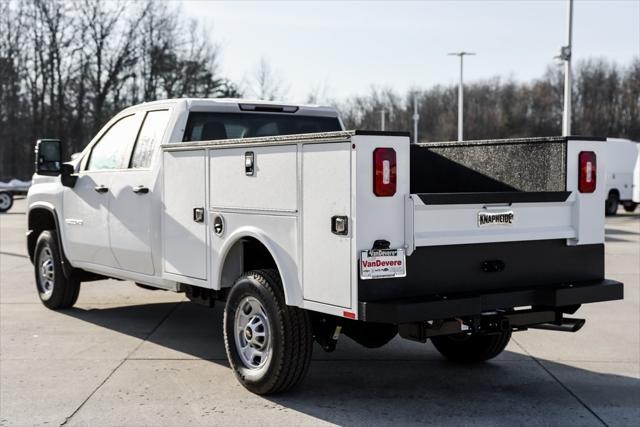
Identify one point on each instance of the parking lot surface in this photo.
(128, 356)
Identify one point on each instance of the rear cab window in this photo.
(206, 126)
(153, 128)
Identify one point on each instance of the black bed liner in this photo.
(527, 165)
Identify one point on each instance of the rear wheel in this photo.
(611, 204)
(54, 289)
(472, 348)
(268, 343)
(6, 201)
(629, 206)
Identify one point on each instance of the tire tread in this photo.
(296, 338)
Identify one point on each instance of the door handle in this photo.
(140, 189)
(101, 189)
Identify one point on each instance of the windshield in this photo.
(209, 126)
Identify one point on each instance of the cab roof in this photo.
(245, 105)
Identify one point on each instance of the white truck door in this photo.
(86, 205)
(131, 217)
(86, 210)
(184, 219)
(326, 196)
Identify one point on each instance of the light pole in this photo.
(415, 117)
(382, 113)
(460, 90)
(565, 55)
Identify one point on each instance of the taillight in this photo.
(587, 174)
(384, 172)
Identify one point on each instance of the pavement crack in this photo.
(565, 387)
(13, 254)
(127, 357)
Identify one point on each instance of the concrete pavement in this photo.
(127, 356)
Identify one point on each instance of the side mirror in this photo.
(68, 175)
(48, 155)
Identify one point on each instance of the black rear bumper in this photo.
(400, 311)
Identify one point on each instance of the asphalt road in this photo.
(126, 356)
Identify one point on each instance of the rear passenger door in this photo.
(134, 212)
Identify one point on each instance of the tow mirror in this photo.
(48, 155)
(68, 175)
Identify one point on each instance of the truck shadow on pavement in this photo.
(403, 382)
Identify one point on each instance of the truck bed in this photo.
(549, 244)
(522, 165)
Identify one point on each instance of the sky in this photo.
(342, 49)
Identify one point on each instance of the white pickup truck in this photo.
(305, 231)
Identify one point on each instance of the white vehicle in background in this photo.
(8, 190)
(305, 231)
(623, 175)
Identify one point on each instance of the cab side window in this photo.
(113, 149)
(153, 127)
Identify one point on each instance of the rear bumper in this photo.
(445, 307)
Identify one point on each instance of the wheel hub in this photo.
(252, 333)
(47, 273)
(5, 200)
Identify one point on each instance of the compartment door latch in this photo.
(340, 225)
(249, 163)
(198, 214)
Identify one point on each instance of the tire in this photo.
(277, 339)
(611, 204)
(472, 348)
(370, 335)
(54, 289)
(6, 201)
(629, 206)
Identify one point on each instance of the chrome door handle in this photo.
(101, 189)
(140, 189)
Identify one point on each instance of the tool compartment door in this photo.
(185, 235)
(326, 183)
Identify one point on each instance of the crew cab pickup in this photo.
(305, 231)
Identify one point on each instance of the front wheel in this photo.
(268, 343)
(54, 289)
(6, 201)
(472, 348)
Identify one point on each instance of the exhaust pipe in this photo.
(566, 325)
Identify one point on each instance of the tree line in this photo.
(67, 67)
(606, 102)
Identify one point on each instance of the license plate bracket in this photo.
(383, 264)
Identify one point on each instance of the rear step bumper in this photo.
(446, 307)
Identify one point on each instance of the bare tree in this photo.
(266, 84)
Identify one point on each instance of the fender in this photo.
(67, 268)
(286, 266)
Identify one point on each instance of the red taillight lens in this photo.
(587, 174)
(384, 172)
